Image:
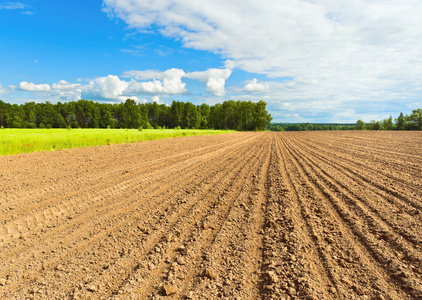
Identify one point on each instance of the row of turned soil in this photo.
(381, 255)
(322, 215)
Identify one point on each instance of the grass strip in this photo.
(15, 141)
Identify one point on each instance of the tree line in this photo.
(309, 126)
(402, 122)
(235, 115)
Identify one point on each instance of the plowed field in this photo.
(308, 215)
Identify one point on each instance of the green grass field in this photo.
(15, 141)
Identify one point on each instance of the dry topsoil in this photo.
(307, 215)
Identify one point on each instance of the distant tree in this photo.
(177, 112)
(294, 127)
(16, 123)
(131, 117)
(106, 116)
(32, 120)
(60, 122)
(387, 124)
(205, 112)
(416, 119)
(4, 109)
(245, 115)
(46, 114)
(360, 125)
(192, 118)
(400, 121)
(261, 116)
(374, 125)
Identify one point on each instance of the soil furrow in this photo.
(204, 207)
(379, 205)
(222, 267)
(402, 201)
(303, 215)
(85, 202)
(63, 201)
(384, 261)
(379, 163)
(290, 241)
(113, 213)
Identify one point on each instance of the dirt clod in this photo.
(169, 290)
(210, 273)
(91, 288)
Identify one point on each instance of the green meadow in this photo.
(15, 141)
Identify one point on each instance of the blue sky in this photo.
(324, 61)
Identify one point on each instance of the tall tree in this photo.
(360, 125)
(416, 119)
(400, 121)
(261, 116)
(387, 124)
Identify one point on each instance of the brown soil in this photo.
(320, 215)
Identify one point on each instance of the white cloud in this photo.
(32, 87)
(66, 90)
(155, 86)
(214, 79)
(157, 100)
(111, 87)
(2, 90)
(67, 94)
(13, 5)
(173, 86)
(124, 98)
(108, 87)
(169, 81)
(254, 86)
(332, 51)
(64, 85)
(154, 74)
(167, 86)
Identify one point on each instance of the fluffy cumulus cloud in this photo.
(61, 90)
(32, 87)
(332, 51)
(214, 79)
(66, 91)
(112, 87)
(168, 82)
(253, 86)
(109, 87)
(134, 85)
(64, 85)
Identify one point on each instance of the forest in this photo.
(235, 115)
(309, 126)
(402, 122)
